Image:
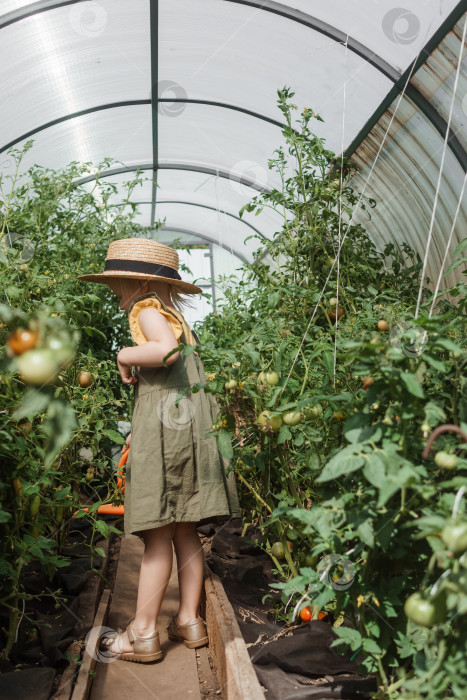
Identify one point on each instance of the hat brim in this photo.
(103, 278)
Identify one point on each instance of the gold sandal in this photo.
(145, 649)
(193, 633)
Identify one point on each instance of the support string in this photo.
(448, 245)
(340, 216)
(352, 216)
(438, 186)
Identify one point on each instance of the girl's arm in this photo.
(160, 341)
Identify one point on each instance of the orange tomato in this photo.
(367, 381)
(21, 340)
(335, 312)
(18, 487)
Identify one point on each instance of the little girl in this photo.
(175, 476)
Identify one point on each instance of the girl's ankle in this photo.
(144, 631)
(183, 619)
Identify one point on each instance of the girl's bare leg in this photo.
(190, 566)
(156, 568)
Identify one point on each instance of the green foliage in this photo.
(349, 480)
(51, 231)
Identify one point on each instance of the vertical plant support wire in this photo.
(213, 286)
(154, 38)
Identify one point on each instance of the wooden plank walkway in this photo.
(176, 676)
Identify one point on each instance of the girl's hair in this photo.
(177, 298)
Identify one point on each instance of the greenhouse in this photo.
(233, 322)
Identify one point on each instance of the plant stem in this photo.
(255, 494)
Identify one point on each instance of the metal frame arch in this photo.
(203, 206)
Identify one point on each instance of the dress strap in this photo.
(174, 317)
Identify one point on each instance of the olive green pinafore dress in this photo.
(174, 473)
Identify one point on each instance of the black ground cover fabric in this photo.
(291, 663)
(38, 658)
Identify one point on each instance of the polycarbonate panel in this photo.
(198, 261)
(436, 78)
(224, 194)
(59, 62)
(123, 134)
(240, 55)
(141, 193)
(403, 183)
(143, 214)
(7, 6)
(394, 32)
(168, 237)
(213, 137)
(214, 227)
(225, 264)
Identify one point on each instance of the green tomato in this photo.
(277, 550)
(37, 367)
(292, 534)
(454, 536)
(62, 350)
(272, 378)
(292, 418)
(425, 611)
(310, 560)
(34, 505)
(266, 420)
(446, 460)
(231, 384)
(314, 412)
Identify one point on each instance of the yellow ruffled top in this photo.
(173, 316)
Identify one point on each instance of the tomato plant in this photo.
(54, 328)
(349, 477)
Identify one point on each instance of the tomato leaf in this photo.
(224, 444)
(367, 535)
(284, 434)
(374, 470)
(454, 265)
(434, 361)
(343, 462)
(460, 247)
(412, 384)
(347, 635)
(448, 345)
(115, 436)
(34, 401)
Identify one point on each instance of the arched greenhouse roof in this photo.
(186, 90)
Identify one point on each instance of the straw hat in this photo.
(141, 259)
